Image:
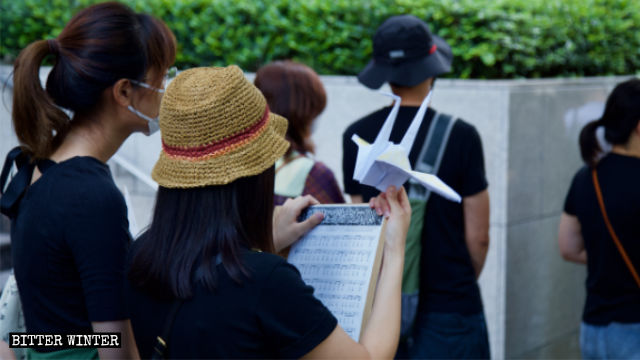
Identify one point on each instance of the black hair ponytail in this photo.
(621, 116)
(589, 146)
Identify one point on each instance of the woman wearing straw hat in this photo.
(203, 281)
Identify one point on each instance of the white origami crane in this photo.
(384, 163)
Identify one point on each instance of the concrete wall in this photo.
(545, 295)
(533, 299)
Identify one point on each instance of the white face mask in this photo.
(152, 123)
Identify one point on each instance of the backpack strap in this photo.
(430, 156)
(429, 160)
(285, 160)
(291, 175)
(160, 346)
(615, 238)
(13, 191)
(6, 169)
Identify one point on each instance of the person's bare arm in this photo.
(5, 352)
(476, 228)
(379, 339)
(382, 332)
(129, 350)
(570, 239)
(356, 199)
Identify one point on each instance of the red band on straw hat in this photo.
(203, 150)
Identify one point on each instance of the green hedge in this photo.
(490, 38)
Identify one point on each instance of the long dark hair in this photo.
(190, 227)
(621, 116)
(293, 90)
(99, 45)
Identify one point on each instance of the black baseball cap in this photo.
(405, 53)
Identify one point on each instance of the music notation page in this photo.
(340, 259)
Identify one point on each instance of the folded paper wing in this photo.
(384, 163)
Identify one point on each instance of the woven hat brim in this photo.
(409, 73)
(249, 159)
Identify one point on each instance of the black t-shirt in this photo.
(69, 242)
(447, 278)
(612, 293)
(273, 314)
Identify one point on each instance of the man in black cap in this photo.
(454, 237)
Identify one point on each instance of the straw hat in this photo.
(216, 127)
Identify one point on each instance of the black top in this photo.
(273, 314)
(447, 278)
(612, 293)
(69, 242)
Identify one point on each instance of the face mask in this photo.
(153, 123)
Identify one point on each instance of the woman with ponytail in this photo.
(69, 231)
(599, 228)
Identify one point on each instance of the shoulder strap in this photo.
(12, 157)
(160, 347)
(12, 193)
(282, 162)
(291, 177)
(430, 156)
(625, 257)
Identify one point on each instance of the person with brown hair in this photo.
(599, 228)
(294, 90)
(203, 280)
(69, 230)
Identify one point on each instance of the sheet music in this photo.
(337, 259)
